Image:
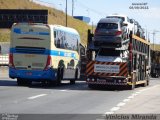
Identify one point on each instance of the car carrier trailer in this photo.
(132, 71)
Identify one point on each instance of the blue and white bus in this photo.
(41, 52)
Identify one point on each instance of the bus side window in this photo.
(58, 43)
(54, 34)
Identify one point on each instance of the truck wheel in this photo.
(91, 86)
(131, 87)
(72, 82)
(145, 84)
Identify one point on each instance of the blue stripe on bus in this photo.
(49, 52)
(18, 31)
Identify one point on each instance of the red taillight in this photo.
(118, 32)
(11, 64)
(49, 63)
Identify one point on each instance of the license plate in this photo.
(106, 68)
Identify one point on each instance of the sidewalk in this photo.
(146, 102)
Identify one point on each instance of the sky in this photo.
(149, 18)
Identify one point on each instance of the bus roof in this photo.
(67, 29)
(59, 27)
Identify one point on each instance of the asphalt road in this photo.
(69, 99)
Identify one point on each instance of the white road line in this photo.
(130, 97)
(138, 92)
(126, 100)
(63, 90)
(109, 113)
(115, 109)
(33, 97)
(149, 88)
(121, 104)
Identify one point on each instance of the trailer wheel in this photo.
(131, 87)
(145, 84)
(72, 82)
(91, 86)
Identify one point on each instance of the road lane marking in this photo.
(138, 92)
(63, 90)
(126, 100)
(121, 104)
(109, 112)
(115, 109)
(33, 97)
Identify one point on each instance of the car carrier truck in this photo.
(127, 65)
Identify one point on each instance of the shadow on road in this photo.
(8, 83)
(80, 85)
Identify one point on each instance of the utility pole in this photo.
(154, 32)
(72, 7)
(153, 39)
(66, 13)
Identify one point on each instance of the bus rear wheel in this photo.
(20, 82)
(23, 82)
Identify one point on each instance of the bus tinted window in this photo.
(66, 40)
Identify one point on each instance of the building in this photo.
(83, 18)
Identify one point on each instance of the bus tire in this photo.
(20, 82)
(23, 82)
(76, 74)
(59, 76)
(76, 77)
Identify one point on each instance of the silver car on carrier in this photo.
(110, 32)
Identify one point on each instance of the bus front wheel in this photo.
(76, 77)
(59, 76)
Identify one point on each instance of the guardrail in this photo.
(4, 60)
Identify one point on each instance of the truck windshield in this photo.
(109, 52)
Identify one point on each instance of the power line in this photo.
(90, 9)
